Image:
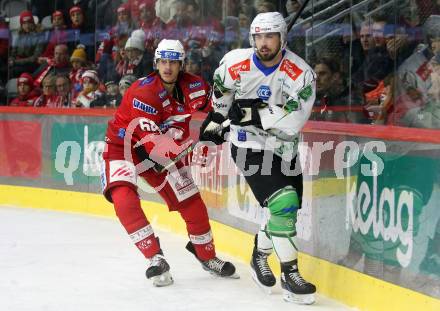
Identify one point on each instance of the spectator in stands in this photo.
(64, 90)
(26, 93)
(57, 35)
(193, 62)
(248, 8)
(49, 98)
(292, 7)
(398, 44)
(113, 54)
(232, 36)
(102, 13)
(332, 94)
(58, 64)
(81, 32)
(134, 7)
(380, 101)
(90, 89)
(137, 62)
(26, 47)
(124, 25)
(244, 23)
(378, 63)
(416, 102)
(79, 65)
(367, 45)
(149, 22)
(110, 99)
(266, 6)
(125, 83)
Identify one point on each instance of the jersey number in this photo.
(148, 125)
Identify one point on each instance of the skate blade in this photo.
(266, 289)
(306, 299)
(162, 280)
(234, 276)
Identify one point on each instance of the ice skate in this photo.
(159, 271)
(260, 270)
(295, 288)
(215, 266)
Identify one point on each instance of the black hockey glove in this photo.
(245, 112)
(211, 129)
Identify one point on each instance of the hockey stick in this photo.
(227, 122)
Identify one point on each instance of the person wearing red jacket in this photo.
(150, 130)
(26, 93)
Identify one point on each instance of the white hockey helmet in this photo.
(268, 22)
(169, 49)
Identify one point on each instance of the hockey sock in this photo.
(128, 209)
(196, 218)
(283, 206)
(264, 242)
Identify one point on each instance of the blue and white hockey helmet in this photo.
(268, 22)
(169, 49)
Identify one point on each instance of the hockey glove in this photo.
(211, 129)
(245, 112)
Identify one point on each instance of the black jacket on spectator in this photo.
(108, 101)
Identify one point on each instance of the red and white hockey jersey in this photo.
(148, 109)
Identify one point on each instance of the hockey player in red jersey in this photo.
(150, 130)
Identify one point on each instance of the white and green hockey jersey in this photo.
(288, 88)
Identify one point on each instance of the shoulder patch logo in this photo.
(264, 92)
(234, 70)
(137, 104)
(292, 70)
(146, 81)
(195, 85)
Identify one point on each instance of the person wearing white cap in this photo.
(90, 91)
(138, 63)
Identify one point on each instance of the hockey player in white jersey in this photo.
(267, 92)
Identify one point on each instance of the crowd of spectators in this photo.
(384, 69)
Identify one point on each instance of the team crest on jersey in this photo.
(292, 70)
(235, 70)
(264, 92)
(195, 85)
(137, 104)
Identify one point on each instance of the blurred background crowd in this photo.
(376, 61)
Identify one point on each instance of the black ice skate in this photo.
(295, 288)
(159, 271)
(261, 272)
(215, 266)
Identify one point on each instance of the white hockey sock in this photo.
(285, 248)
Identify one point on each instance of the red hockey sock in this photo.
(199, 230)
(132, 217)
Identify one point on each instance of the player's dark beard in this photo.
(268, 57)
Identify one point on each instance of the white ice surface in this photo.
(55, 261)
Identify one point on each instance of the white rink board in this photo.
(55, 261)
